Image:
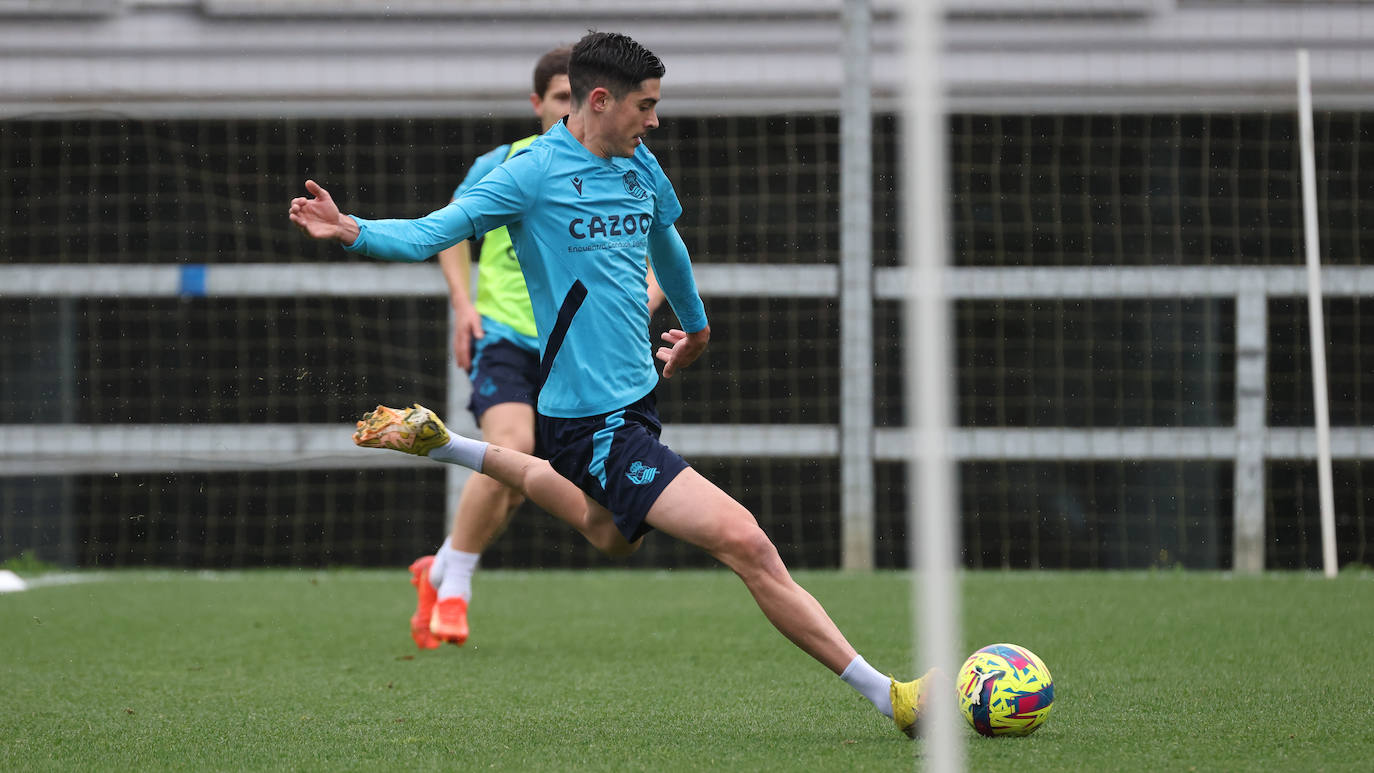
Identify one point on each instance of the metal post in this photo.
(459, 390)
(933, 511)
(1316, 322)
(856, 292)
(1252, 325)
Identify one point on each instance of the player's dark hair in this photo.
(610, 60)
(553, 63)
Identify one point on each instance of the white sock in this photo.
(870, 683)
(461, 450)
(455, 569)
(436, 569)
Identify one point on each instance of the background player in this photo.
(583, 202)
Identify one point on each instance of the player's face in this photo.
(554, 103)
(633, 116)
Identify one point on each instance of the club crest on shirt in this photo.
(640, 473)
(633, 187)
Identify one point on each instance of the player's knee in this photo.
(746, 548)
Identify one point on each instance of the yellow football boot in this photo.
(908, 699)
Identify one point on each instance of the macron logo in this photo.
(577, 183)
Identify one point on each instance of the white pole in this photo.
(931, 514)
(1315, 319)
(1247, 499)
(458, 420)
(856, 291)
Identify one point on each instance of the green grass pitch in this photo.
(664, 671)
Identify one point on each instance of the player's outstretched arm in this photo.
(409, 240)
(319, 217)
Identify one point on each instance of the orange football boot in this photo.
(424, 606)
(450, 620)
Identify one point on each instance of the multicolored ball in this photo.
(1004, 689)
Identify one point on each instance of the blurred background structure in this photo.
(179, 368)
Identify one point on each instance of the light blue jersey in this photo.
(581, 225)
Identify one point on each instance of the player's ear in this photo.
(535, 102)
(600, 98)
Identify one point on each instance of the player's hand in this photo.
(319, 217)
(682, 350)
(467, 325)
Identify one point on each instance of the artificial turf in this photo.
(661, 671)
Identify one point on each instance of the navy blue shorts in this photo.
(502, 372)
(616, 458)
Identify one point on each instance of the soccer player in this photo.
(582, 204)
(495, 340)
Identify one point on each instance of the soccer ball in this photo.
(1005, 690)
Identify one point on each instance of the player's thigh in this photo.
(600, 529)
(695, 510)
(510, 425)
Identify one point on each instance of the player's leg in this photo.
(484, 510)
(618, 459)
(505, 376)
(505, 387)
(486, 505)
(695, 510)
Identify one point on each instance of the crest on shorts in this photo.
(641, 473)
(632, 185)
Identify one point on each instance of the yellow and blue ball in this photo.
(1005, 690)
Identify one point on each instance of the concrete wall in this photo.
(425, 57)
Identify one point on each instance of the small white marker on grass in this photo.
(11, 582)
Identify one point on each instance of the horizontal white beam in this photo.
(140, 448)
(713, 280)
(114, 449)
(1130, 443)
(349, 279)
(137, 448)
(1152, 282)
